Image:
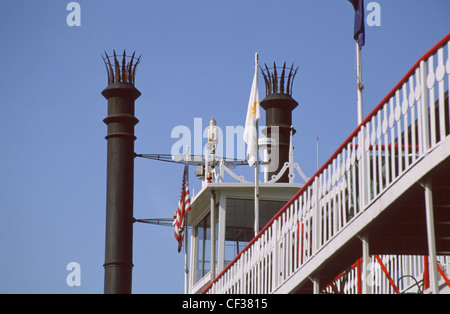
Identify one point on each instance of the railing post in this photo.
(363, 179)
(424, 109)
(316, 216)
(243, 280)
(275, 255)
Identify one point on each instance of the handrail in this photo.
(336, 156)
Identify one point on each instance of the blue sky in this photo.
(197, 62)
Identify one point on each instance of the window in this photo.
(240, 220)
(203, 244)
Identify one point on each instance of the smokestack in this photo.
(279, 105)
(121, 95)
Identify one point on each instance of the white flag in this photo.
(253, 114)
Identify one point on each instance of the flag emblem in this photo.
(253, 114)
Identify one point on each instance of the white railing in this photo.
(392, 139)
(388, 274)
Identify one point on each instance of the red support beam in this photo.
(391, 282)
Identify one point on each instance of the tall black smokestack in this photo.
(121, 95)
(279, 105)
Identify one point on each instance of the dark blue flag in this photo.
(359, 33)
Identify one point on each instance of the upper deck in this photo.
(384, 191)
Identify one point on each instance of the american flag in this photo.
(184, 205)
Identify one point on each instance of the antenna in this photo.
(317, 138)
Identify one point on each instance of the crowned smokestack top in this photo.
(278, 84)
(123, 69)
(279, 105)
(121, 95)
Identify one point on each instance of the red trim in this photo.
(426, 273)
(338, 151)
(334, 288)
(387, 274)
(443, 274)
(359, 271)
(356, 265)
(299, 246)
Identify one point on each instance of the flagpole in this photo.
(359, 83)
(185, 228)
(256, 227)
